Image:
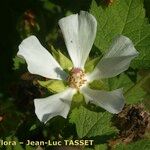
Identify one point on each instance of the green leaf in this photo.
(98, 147)
(121, 81)
(126, 18)
(101, 147)
(86, 148)
(139, 145)
(31, 148)
(18, 62)
(133, 92)
(136, 93)
(147, 7)
(54, 86)
(90, 124)
(62, 59)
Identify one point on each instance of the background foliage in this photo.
(18, 88)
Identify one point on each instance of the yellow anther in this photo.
(76, 78)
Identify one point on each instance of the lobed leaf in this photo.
(126, 18)
(91, 124)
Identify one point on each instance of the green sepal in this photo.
(77, 100)
(65, 62)
(99, 85)
(90, 65)
(54, 86)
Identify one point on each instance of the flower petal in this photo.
(112, 101)
(39, 60)
(116, 60)
(58, 104)
(79, 32)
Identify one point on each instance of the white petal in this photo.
(79, 32)
(58, 104)
(112, 101)
(39, 60)
(116, 60)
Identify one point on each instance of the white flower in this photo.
(79, 31)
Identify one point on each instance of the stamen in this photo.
(76, 78)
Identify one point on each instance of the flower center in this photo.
(76, 78)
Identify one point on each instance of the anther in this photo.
(76, 78)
